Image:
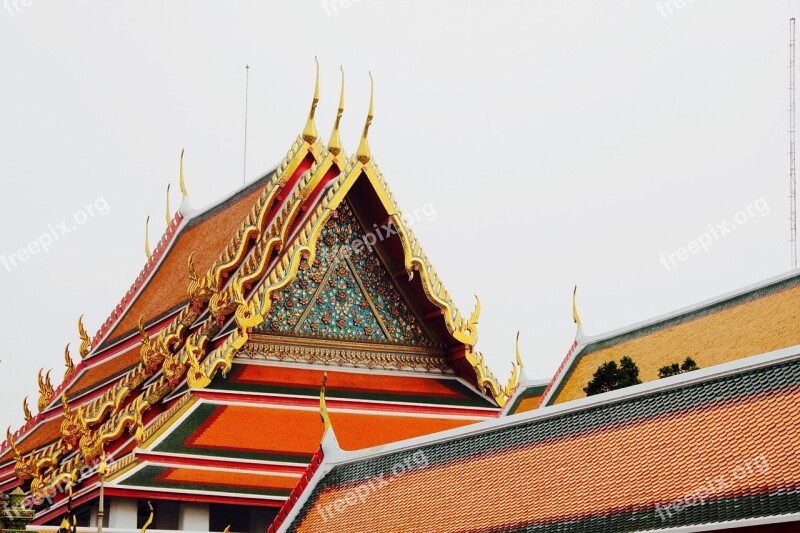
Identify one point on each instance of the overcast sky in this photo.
(558, 142)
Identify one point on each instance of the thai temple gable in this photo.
(711, 449)
(202, 381)
(757, 319)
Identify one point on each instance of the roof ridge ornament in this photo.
(323, 407)
(182, 181)
(169, 214)
(363, 153)
(70, 366)
(86, 344)
(147, 238)
(310, 131)
(335, 144)
(26, 411)
(575, 317)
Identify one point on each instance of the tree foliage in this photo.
(610, 376)
(674, 369)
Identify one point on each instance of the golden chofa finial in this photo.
(169, 212)
(182, 182)
(323, 408)
(575, 316)
(363, 153)
(147, 237)
(310, 131)
(335, 144)
(26, 411)
(86, 344)
(70, 366)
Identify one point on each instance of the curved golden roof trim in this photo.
(169, 212)
(86, 343)
(70, 366)
(45, 390)
(335, 143)
(26, 411)
(310, 131)
(323, 407)
(149, 520)
(182, 181)
(363, 153)
(147, 238)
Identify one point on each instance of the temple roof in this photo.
(756, 319)
(204, 305)
(714, 447)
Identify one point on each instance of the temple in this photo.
(289, 360)
(710, 448)
(200, 393)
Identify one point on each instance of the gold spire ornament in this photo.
(26, 410)
(169, 213)
(70, 366)
(182, 182)
(575, 316)
(323, 408)
(147, 238)
(45, 390)
(86, 344)
(363, 153)
(335, 144)
(149, 520)
(310, 131)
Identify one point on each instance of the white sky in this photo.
(560, 142)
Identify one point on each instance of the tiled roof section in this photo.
(206, 236)
(44, 435)
(105, 371)
(527, 400)
(756, 322)
(351, 385)
(178, 479)
(725, 447)
(294, 435)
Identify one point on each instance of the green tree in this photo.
(674, 369)
(610, 376)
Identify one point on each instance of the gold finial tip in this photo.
(575, 317)
(182, 182)
(147, 238)
(335, 143)
(310, 131)
(364, 154)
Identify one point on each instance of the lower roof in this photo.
(710, 446)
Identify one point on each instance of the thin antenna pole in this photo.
(792, 145)
(246, 94)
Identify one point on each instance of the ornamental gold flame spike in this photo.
(70, 366)
(147, 238)
(363, 153)
(575, 316)
(149, 520)
(26, 410)
(169, 213)
(323, 408)
(335, 144)
(86, 344)
(310, 131)
(182, 182)
(45, 390)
